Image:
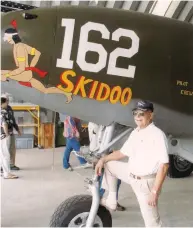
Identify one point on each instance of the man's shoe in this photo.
(14, 168)
(120, 208)
(70, 168)
(11, 176)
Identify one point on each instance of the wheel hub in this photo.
(181, 164)
(80, 220)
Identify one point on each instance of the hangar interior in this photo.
(43, 184)
(180, 10)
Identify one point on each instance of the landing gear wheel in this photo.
(179, 167)
(74, 213)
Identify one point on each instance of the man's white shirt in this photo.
(146, 148)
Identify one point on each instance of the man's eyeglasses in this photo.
(136, 113)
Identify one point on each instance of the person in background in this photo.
(5, 141)
(72, 128)
(12, 126)
(96, 133)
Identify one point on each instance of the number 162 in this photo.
(85, 46)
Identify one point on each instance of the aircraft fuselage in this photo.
(103, 61)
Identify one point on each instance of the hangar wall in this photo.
(180, 10)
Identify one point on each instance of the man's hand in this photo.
(115, 156)
(160, 177)
(153, 199)
(99, 166)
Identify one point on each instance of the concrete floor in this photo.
(31, 200)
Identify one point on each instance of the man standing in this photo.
(5, 140)
(72, 135)
(146, 170)
(13, 125)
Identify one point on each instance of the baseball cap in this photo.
(144, 106)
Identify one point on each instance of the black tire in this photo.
(75, 205)
(179, 168)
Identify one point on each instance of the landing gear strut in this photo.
(82, 211)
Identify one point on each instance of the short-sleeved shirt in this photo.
(71, 126)
(146, 148)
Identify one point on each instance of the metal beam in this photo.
(118, 4)
(110, 4)
(191, 20)
(189, 17)
(45, 3)
(161, 7)
(17, 5)
(172, 9)
(101, 3)
(97, 3)
(135, 5)
(30, 3)
(10, 8)
(56, 3)
(74, 3)
(64, 3)
(142, 6)
(149, 6)
(37, 3)
(6, 9)
(127, 5)
(185, 11)
(83, 3)
(92, 3)
(179, 9)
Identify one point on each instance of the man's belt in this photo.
(142, 177)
